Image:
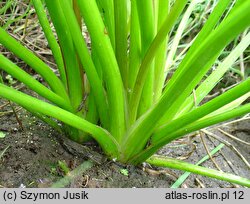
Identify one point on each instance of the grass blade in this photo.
(66, 180)
(112, 77)
(3, 152)
(184, 176)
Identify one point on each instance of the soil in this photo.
(32, 156)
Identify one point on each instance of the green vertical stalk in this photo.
(111, 73)
(121, 15)
(160, 58)
(74, 78)
(184, 81)
(77, 13)
(147, 31)
(86, 61)
(135, 48)
(146, 19)
(42, 16)
(178, 35)
(150, 54)
(107, 8)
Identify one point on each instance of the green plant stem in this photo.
(184, 176)
(42, 16)
(87, 63)
(230, 106)
(14, 19)
(144, 69)
(112, 77)
(147, 31)
(184, 166)
(202, 123)
(167, 132)
(121, 15)
(31, 59)
(203, 110)
(77, 13)
(160, 58)
(210, 82)
(107, 8)
(7, 5)
(72, 67)
(29, 81)
(106, 141)
(135, 48)
(231, 28)
(186, 78)
(205, 31)
(178, 34)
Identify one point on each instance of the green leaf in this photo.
(124, 172)
(64, 167)
(121, 33)
(31, 59)
(184, 166)
(73, 175)
(149, 56)
(186, 78)
(184, 176)
(72, 67)
(42, 16)
(210, 82)
(111, 73)
(88, 65)
(103, 137)
(2, 135)
(33, 84)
